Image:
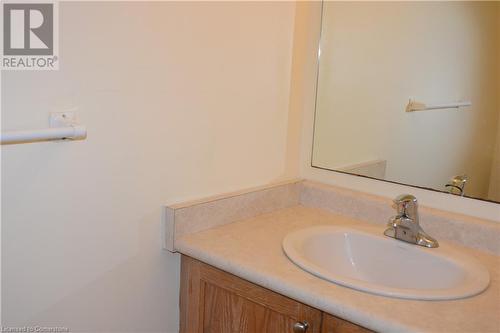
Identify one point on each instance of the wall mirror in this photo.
(409, 92)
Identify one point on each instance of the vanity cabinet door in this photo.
(213, 301)
(332, 324)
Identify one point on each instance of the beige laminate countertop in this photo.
(251, 249)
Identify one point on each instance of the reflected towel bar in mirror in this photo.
(418, 106)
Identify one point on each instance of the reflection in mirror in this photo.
(409, 92)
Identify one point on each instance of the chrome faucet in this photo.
(405, 225)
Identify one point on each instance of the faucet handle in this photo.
(405, 203)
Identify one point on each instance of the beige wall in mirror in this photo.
(377, 56)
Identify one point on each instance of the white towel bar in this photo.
(71, 132)
(63, 125)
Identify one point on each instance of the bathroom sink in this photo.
(365, 260)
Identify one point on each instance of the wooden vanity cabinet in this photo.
(213, 301)
(332, 324)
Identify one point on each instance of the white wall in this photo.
(376, 55)
(181, 100)
(310, 14)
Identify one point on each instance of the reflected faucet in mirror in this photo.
(456, 185)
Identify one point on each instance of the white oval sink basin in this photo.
(365, 260)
